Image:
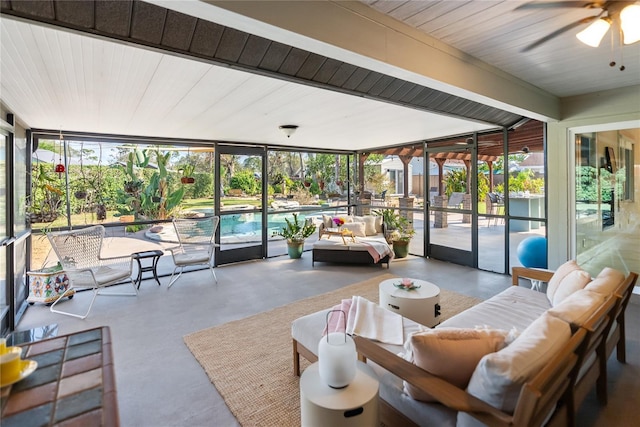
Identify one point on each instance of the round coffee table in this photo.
(353, 405)
(421, 305)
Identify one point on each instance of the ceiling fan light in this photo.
(593, 34)
(630, 23)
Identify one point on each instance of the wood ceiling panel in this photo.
(76, 13)
(206, 38)
(311, 66)
(328, 68)
(275, 56)
(356, 78)
(293, 62)
(254, 51)
(178, 30)
(381, 85)
(147, 22)
(231, 44)
(113, 16)
(342, 75)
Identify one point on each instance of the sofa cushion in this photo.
(578, 307)
(499, 376)
(572, 282)
(357, 228)
(450, 353)
(559, 275)
(327, 221)
(498, 312)
(369, 224)
(607, 281)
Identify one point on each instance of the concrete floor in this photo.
(161, 384)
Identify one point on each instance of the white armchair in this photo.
(197, 244)
(79, 254)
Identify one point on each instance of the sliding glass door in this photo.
(241, 203)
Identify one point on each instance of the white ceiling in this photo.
(52, 79)
(495, 32)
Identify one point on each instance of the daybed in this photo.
(368, 245)
(566, 335)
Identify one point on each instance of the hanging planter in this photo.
(321, 184)
(307, 183)
(80, 195)
(187, 174)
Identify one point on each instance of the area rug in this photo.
(249, 361)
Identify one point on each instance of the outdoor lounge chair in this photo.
(197, 244)
(79, 254)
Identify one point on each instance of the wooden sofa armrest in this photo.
(529, 273)
(441, 390)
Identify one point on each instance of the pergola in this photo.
(529, 137)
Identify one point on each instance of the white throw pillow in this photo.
(574, 281)
(578, 307)
(327, 221)
(378, 224)
(499, 376)
(369, 224)
(607, 281)
(357, 228)
(557, 277)
(450, 353)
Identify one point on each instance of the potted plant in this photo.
(296, 232)
(187, 174)
(401, 236)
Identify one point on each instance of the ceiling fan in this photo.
(622, 14)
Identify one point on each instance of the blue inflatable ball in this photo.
(532, 252)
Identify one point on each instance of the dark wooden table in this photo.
(154, 256)
(74, 384)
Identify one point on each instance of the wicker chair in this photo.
(197, 244)
(79, 254)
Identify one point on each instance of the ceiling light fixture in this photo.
(593, 34)
(288, 129)
(629, 20)
(630, 23)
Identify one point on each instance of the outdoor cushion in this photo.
(499, 376)
(369, 223)
(577, 307)
(450, 353)
(572, 282)
(560, 274)
(357, 228)
(607, 281)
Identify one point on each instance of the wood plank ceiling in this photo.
(139, 23)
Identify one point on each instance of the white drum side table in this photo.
(353, 405)
(421, 305)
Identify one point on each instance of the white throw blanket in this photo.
(376, 248)
(369, 320)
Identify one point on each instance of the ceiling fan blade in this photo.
(552, 4)
(559, 31)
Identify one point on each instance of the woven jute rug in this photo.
(250, 361)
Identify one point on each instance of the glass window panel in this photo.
(607, 169)
(531, 254)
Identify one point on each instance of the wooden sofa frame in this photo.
(558, 385)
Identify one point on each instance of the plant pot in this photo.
(80, 195)
(307, 184)
(187, 180)
(127, 218)
(295, 249)
(101, 212)
(401, 248)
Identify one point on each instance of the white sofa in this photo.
(566, 335)
(368, 236)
